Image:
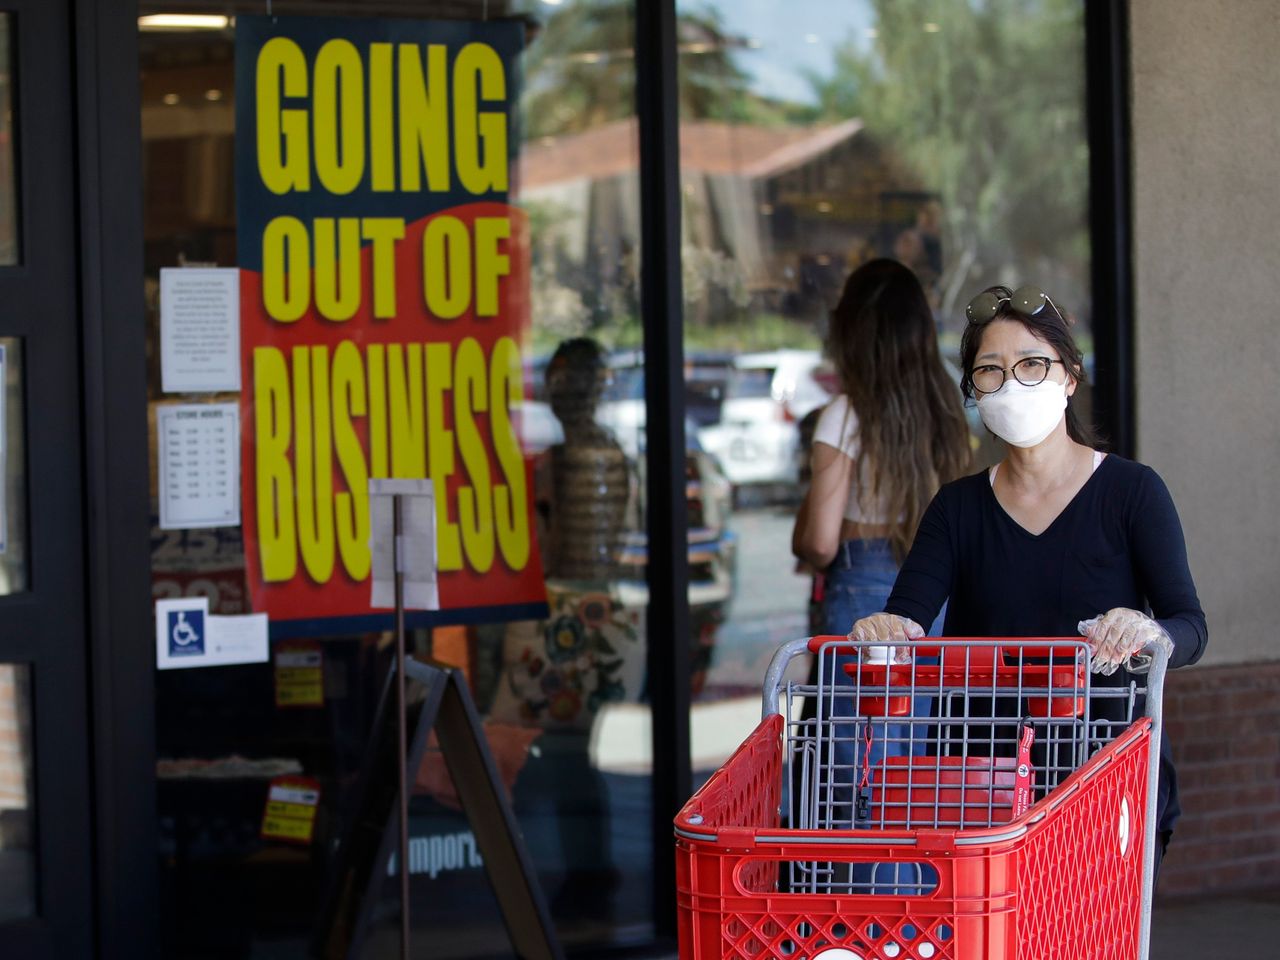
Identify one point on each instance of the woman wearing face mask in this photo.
(1056, 536)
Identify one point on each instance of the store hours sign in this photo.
(384, 298)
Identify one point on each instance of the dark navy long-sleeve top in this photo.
(1118, 543)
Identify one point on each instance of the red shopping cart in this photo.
(986, 800)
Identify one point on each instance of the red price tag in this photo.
(1025, 778)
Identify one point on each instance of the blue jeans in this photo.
(857, 585)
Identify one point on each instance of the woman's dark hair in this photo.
(912, 434)
(1050, 325)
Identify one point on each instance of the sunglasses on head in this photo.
(1028, 301)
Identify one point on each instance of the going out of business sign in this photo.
(384, 298)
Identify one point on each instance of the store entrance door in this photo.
(45, 856)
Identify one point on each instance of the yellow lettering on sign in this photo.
(510, 503)
(446, 267)
(283, 163)
(475, 504)
(491, 264)
(424, 118)
(338, 116)
(383, 232)
(314, 460)
(352, 504)
(412, 108)
(404, 382)
(286, 269)
(430, 411)
(378, 461)
(382, 159)
(337, 267)
(480, 137)
(277, 538)
(440, 381)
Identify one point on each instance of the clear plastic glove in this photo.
(1119, 638)
(889, 629)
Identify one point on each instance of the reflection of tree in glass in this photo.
(580, 70)
(985, 101)
(558, 306)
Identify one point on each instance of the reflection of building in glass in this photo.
(774, 216)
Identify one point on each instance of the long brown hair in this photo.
(912, 434)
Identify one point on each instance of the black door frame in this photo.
(662, 307)
(1106, 35)
(117, 533)
(43, 627)
(114, 421)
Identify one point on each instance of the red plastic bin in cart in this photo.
(1012, 820)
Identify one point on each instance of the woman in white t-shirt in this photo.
(882, 447)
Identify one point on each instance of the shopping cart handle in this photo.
(838, 644)
(1037, 647)
(1009, 646)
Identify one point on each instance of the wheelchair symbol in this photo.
(183, 632)
(186, 632)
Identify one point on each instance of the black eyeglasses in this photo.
(1028, 301)
(1028, 371)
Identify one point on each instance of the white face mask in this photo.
(1022, 415)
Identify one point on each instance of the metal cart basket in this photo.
(986, 799)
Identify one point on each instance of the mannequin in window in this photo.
(585, 497)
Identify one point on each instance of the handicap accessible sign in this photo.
(187, 635)
(185, 630)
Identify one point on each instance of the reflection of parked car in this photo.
(756, 439)
(708, 492)
(706, 381)
(622, 410)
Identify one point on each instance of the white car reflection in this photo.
(767, 395)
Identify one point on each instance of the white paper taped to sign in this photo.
(199, 329)
(418, 551)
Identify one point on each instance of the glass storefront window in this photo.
(816, 136)
(18, 875)
(812, 138)
(8, 172)
(562, 696)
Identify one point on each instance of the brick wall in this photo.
(1224, 722)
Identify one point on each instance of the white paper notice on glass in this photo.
(199, 329)
(418, 543)
(199, 454)
(187, 636)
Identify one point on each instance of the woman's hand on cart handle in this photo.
(1121, 637)
(887, 628)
